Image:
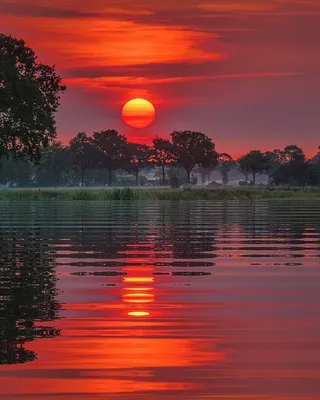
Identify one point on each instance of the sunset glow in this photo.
(138, 113)
(231, 69)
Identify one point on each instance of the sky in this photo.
(246, 73)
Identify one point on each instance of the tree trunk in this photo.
(82, 176)
(110, 178)
(188, 176)
(137, 177)
(225, 178)
(254, 178)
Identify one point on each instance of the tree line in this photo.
(107, 158)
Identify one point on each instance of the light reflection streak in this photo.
(137, 294)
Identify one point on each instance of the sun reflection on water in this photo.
(138, 294)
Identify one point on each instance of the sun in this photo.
(138, 113)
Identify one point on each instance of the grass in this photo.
(159, 194)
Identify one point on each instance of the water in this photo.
(147, 300)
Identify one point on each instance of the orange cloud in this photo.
(105, 83)
(238, 6)
(113, 42)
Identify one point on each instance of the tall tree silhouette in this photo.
(254, 163)
(163, 154)
(54, 167)
(225, 164)
(139, 158)
(83, 154)
(273, 160)
(29, 97)
(113, 152)
(194, 148)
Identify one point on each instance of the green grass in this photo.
(159, 194)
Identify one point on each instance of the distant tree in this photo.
(295, 174)
(194, 148)
(315, 159)
(273, 160)
(225, 165)
(16, 172)
(54, 166)
(29, 97)
(243, 168)
(139, 158)
(163, 154)
(294, 154)
(294, 169)
(113, 152)
(83, 154)
(253, 163)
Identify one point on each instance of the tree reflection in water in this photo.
(28, 290)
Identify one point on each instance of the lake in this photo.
(160, 300)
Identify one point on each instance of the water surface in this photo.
(160, 300)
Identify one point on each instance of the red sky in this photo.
(246, 73)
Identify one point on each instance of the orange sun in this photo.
(138, 113)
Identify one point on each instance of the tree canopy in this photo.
(29, 97)
(194, 148)
(112, 150)
(83, 154)
(163, 154)
(254, 163)
(225, 164)
(54, 165)
(294, 154)
(139, 158)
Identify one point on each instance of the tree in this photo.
(294, 154)
(54, 166)
(16, 172)
(29, 97)
(83, 154)
(113, 152)
(273, 160)
(139, 158)
(193, 148)
(294, 174)
(163, 154)
(316, 159)
(225, 164)
(294, 170)
(253, 163)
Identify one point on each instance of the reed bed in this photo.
(93, 194)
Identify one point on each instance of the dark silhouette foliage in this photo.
(29, 97)
(192, 148)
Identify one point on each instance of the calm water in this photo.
(169, 300)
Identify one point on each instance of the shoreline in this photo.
(104, 194)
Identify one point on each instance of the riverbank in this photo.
(89, 194)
